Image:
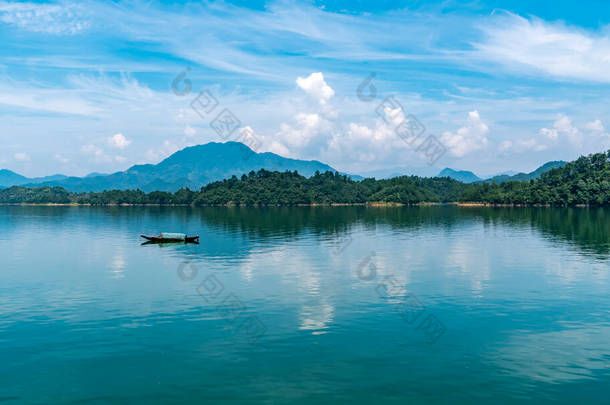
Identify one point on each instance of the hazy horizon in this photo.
(422, 171)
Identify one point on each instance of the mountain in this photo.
(96, 174)
(460, 175)
(9, 178)
(529, 176)
(581, 182)
(191, 167)
(198, 165)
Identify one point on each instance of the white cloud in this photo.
(61, 159)
(529, 144)
(101, 96)
(521, 146)
(90, 150)
(96, 152)
(305, 135)
(552, 48)
(190, 131)
(42, 99)
(598, 131)
(468, 138)
(118, 141)
(595, 126)
(549, 133)
(22, 157)
(316, 86)
(360, 143)
(563, 127)
(590, 137)
(505, 145)
(251, 82)
(278, 148)
(45, 18)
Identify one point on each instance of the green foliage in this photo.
(584, 181)
(41, 195)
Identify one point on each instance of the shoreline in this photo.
(368, 204)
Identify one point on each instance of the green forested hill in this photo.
(584, 181)
(192, 167)
(262, 187)
(528, 176)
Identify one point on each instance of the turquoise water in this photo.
(305, 305)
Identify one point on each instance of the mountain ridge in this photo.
(464, 176)
(9, 178)
(554, 164)
(196, 166)
(191, 167)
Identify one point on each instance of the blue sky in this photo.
(504, 85)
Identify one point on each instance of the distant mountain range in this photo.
(191, 167)
(9, 179)
(198, 165)
(529, 176)
(460, 175)
(469, 177)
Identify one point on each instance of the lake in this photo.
(305, 305)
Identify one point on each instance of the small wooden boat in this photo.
(171, 237)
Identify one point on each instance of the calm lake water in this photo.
(305, 305)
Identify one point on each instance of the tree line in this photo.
(584, 181)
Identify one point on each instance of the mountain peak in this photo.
(460, 175)
(193, 167)
(531, 175)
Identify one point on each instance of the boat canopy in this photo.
(169, 235)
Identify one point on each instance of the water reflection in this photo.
(522, 292)
(585, 228)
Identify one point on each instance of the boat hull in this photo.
(157, 239)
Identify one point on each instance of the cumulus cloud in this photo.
(22, 157)
(597, 130)
(118, 141)
(278, 148)
(378, 143)
(563, 127)
(469, 138)
(315, 86)
(595, 126)
(549, 133)
(305, 135)
(589, 137)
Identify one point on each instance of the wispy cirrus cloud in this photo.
(55, 19)
(550, 48)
